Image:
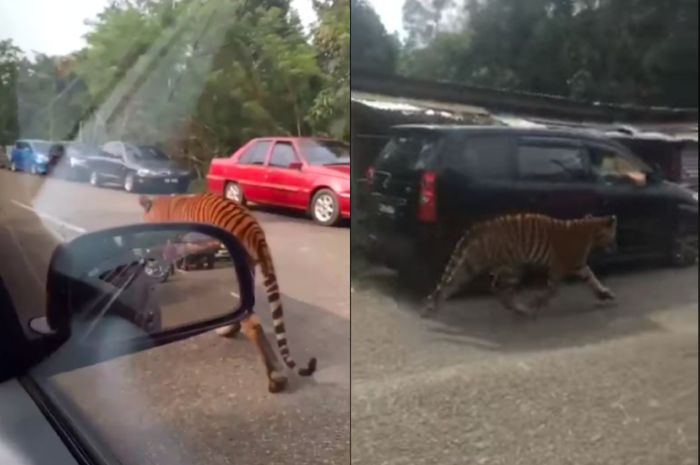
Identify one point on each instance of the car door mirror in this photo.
(118, 291)
(295, 165)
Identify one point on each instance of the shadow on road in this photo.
(573, 317)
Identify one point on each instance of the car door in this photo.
(284, 183)
(111, 163)
(477, 179)
(554, 177)
(249, 171)
(623, 189)
(20, 154)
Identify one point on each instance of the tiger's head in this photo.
(605, 233)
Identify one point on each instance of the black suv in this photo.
(429, 183)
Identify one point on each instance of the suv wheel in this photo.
(233, 192)
(324, 208)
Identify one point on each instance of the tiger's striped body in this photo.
(237, 220)
(505, 245)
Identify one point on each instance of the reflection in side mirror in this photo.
(146, 285)
(295, 165)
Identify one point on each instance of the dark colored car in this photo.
(70, 159)
(303, 173)
(429, 183)
(136, 168)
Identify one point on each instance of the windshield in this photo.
(322, 152)
(187, 81)
(40, 147)
(408, 151)
(147, 153)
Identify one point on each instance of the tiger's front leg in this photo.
(253, 330)
(601, 292)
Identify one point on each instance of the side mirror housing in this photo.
(114, 292)
(295, 165)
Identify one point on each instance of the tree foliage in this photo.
(197, 77)
(630, 51)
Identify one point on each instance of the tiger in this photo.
(505, 246)
(238, 221)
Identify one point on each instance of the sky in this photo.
(56, 27)
(389, 12)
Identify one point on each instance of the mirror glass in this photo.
(149, 282)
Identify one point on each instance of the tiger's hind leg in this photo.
(504, 282)
(253, 330)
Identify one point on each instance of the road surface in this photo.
(202, 400)
(583, 385)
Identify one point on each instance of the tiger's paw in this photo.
(605, 294)
(229, 331)
(277, 382)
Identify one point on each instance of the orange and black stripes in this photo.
(234, 218)
(502, 246)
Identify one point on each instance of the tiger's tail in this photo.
(456, 260)
(273, 297)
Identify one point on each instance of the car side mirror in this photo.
(116, 291)
(295, 165)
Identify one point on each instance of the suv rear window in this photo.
(408, 151)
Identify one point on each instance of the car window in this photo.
(408, 152)
(325, 152)
(256, 154)
(282, 155)
(485, 157)
(547, 161)
(612, 166)
(22, 145)
(40, 146)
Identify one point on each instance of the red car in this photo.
(311, 174)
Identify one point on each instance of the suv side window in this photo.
(558, 161)
(282, 155)
(614, 167)
(483, 157)
(256, 154)
(22, 145)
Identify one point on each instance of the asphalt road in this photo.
(583, 385)
(202, 400)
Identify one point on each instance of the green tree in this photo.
(371, 45)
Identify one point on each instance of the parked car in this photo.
(71, 159)
(31, 155)
(310, 174)
(429, 183)
(136, 167)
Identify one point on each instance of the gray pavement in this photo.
(202, 400)
(583, 385)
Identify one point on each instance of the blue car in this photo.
(30, 155)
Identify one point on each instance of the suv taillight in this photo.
(370, 173)
(427, 198)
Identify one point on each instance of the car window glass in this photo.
(482, 157)
(256, 154)
(408, 152)
(550, 162)
(611, 166)
(282, 155)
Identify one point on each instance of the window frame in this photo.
(546, 141)
(249, 150)
(268, 162)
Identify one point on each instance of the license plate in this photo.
(386, 209)
(170, 180)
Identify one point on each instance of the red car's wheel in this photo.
(233, 191)
(325, 208)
